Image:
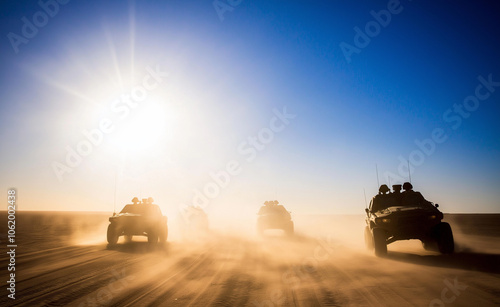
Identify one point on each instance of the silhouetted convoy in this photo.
(138, 219)
(274, 216)
(404, 216)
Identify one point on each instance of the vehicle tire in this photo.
(368, 238)
(112, 234)
(163, 235)
(444, 238)
(260, 229)
(289, 229)
(152, 237)
(379, 242)
(430, 245)
(128, 238)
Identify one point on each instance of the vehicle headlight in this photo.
(383, 220)
(432, 217)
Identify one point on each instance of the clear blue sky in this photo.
(225, 79)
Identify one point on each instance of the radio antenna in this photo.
(366, 203)
(376, 170)
(409, 173)
(114, 200)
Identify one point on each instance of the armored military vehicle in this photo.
(404, 216)
(274, 216)
(141, 218)
(195, 224)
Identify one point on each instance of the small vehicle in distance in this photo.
(274, 216)
(404, 216)
(138, 219)
(195, 224)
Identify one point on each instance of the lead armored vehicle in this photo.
(274, 216)
(141, 218)
(404, 216)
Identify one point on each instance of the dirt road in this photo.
(231, 270)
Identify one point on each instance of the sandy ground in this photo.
(63, 259)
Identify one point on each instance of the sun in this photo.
(148, 127)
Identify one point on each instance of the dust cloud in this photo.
(65, 260)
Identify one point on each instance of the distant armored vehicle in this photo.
(138, 219)
(195, 222)
(404, 216)
(274, 216)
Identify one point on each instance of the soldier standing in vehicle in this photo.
(264, 209)
(281, 210)
(381, 201)
(412, 198)
(397, 194)
(272, 207)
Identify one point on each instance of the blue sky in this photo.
(225, 79)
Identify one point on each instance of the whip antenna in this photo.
(376, 170)
(409, 173)
(114, 200)
(366, 203)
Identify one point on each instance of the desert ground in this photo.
(63, 259)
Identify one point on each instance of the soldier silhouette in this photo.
(413, 198)
(397, 194)
(381, 201)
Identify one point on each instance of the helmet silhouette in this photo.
(407, 186)
(383, 189)
(396, 188)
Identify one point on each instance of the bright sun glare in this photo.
(147, 128)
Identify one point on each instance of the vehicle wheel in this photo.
(379, 242)
(260, 230)
(289, 229)
(112, 235)
(430, 245)
(152, 237)
(444, 238)
(164, 235)
(368, 238)
(128, 239)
